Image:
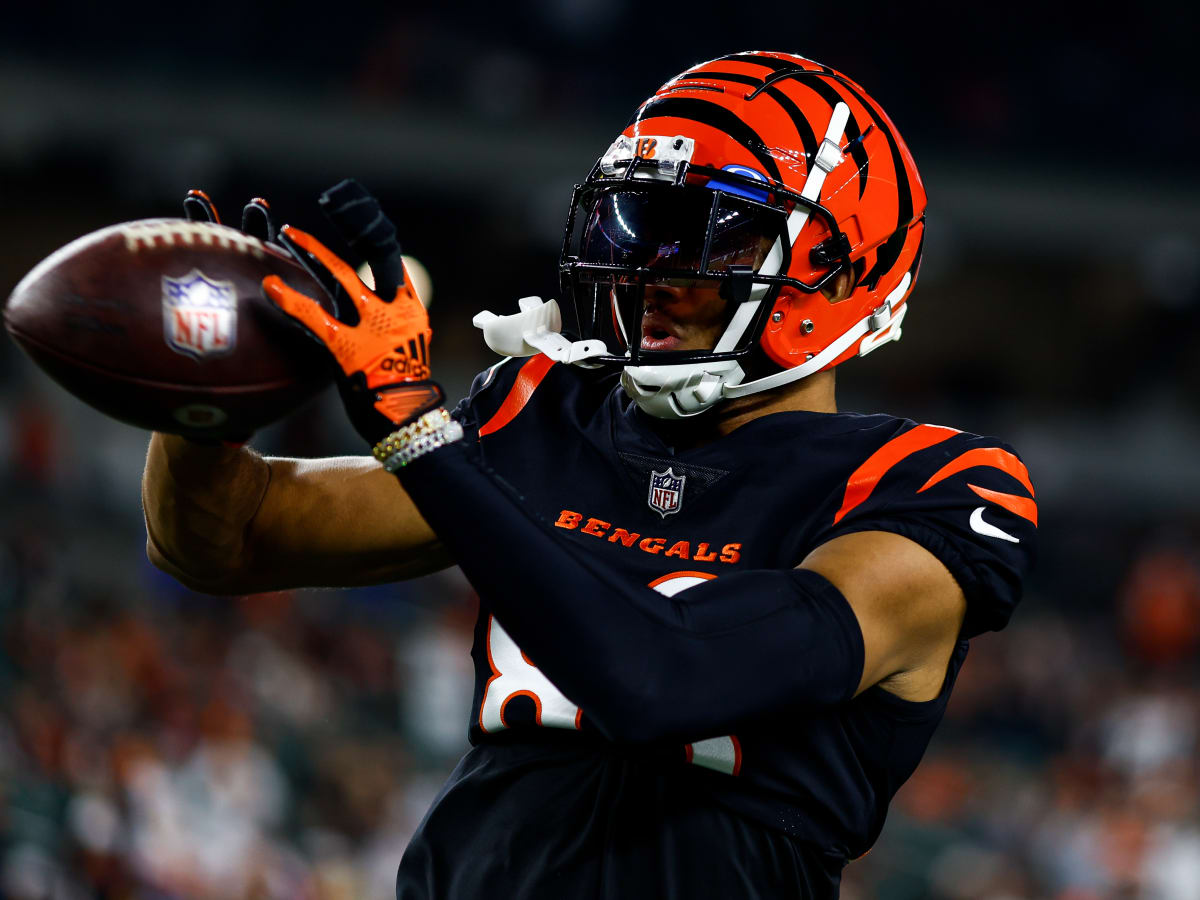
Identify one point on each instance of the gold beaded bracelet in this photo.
(432, 430)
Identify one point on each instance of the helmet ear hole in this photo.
(841, 287)
(859, 266)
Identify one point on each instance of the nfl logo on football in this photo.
(199, 315)
(666, 492)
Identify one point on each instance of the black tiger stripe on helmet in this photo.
(803, 128)
(819, 80)
(715, 116)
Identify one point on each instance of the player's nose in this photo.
(660, 296)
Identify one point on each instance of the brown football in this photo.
(161, 323)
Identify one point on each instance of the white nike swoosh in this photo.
(987, 530)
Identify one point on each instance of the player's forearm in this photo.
(337, 522)
(198, 503)
(641, 666)
(229, 521)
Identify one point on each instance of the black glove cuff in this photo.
(377, 413)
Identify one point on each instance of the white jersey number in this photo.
(513, 675)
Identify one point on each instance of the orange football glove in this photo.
(381, 346)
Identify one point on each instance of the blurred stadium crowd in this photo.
(156, 743)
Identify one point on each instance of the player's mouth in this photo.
(659, 332)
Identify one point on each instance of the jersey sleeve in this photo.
(966, 499)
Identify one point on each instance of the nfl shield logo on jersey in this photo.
(199, 315)
(666, 492)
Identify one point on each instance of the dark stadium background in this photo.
(158, 743)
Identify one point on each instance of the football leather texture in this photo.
(161, 323)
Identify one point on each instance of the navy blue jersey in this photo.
(544, 805)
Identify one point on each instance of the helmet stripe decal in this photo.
(737, 77)
(714, 116)
(916, 263)
(818, 80)
(858, 153)
(885, 258)
(803, 128)
(903, 188)
(769, 62)
(830, 95)
(890, 251)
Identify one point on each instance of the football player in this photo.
(719, 618)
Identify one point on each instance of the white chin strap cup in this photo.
(679, 391)
(506, 334)
(535, 329)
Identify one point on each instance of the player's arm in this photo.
(907, 605)
(641, 667)
(225, 520)
(644, 667)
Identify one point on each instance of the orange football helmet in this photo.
(769, 174)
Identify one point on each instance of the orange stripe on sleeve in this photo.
(983, 456)
(863, 480)
(1024, 507)
(528, 379)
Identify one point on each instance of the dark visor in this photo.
(667, 230)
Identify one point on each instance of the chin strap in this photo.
(875, 329)
(534, 330)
